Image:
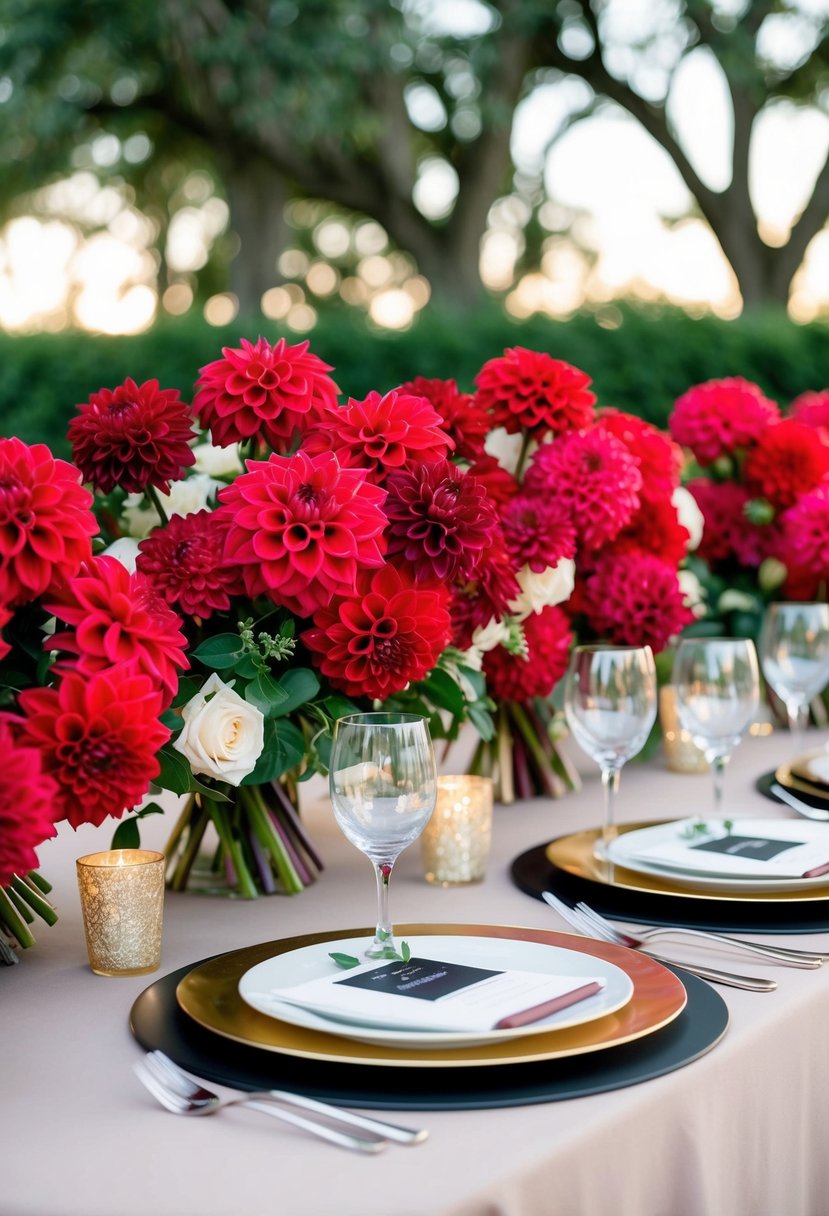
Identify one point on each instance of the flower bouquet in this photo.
(591, 529)
(761, 480)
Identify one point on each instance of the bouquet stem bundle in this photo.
(524, 759)
(20, 903)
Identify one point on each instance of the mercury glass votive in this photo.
(681, 753)
(122, 900)
(456, 840)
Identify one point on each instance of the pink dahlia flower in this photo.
(513, 677)
(660, 459)
(27, 802)
(185, 563)
(634, 599)
(787, 461)
(463, 418)
(715, 418)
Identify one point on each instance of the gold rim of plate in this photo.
(575, 854)
(209, 995)
(795, 776)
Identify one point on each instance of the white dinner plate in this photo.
(313, 962)
(624, 849)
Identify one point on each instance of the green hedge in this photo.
(640, 360)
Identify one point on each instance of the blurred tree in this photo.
(358, 101)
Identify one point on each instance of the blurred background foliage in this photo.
(640, 359)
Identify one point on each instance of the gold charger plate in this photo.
(575, 854)
(794, 776)
(209, 995)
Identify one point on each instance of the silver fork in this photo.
(590, 928)
(203, 1102)
(169, 1072)
(787, 956)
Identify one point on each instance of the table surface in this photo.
(738, 1131)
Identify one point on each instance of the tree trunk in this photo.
(256, 195)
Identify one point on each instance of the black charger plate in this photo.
(157, 1022)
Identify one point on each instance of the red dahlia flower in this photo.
(463, 418)
(5, 649)
(98, 737)
(812, 408)
(727, 531)
(45, 521)
(655, 528)
(594, 476)
(185, 563)
(381, 434)
(788, 461)
(660, 459)
(133, 437)
(715, 418)
(117, 617)
(27, 801)
(377, 641)
(538, 531)
(529, 390)
(440, 519)
(500, 485)
(265, 391)
(510, 677)
(634, 599)
(302, 527)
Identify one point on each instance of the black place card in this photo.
(752, 848)
(422, 978)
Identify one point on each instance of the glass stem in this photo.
(383, 945)
(798, 715)
(718, 767)
(610, 785)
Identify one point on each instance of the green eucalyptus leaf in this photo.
(222, 651)
(445, 692)
(298, 685)
(266, 694)
(283, 750)
(344, 960)
(126, 835)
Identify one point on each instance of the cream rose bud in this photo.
(125, 551)
(689, 515)
(538, 591)
(223, 735)
(487, 637)
(216, 461)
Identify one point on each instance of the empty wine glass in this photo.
(383, 783)
(717, 682)
(794, 655)
(610, 706)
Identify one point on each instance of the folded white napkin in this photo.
(751, 848)
(426, 994)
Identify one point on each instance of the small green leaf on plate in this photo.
(345, 960)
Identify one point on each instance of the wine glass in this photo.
(794, 655)
(610, 706)
(383, 783)
(717, 682)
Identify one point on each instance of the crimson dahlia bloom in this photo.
(727, 530)
(132, 436)
(185, 563)
(715, 418)
(594, 476)
(529, 390)
(812, 408)
(788, 461)
(803, 545)
(655, 528)
(512, 677)
(117, 618)
(463, 418)
(301, 527)
(392, 631)
(538, 532)
(45, 521)
(27, 799)
(500, 485)
(487, 594)
(381, 434)
(263, 391)
(98, 737)
(440, 520)
(634, 599)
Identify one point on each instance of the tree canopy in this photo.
(353, 101)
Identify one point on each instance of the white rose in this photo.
(217, 462)
(185, 497)
(693, 594)
(552, 586)
(506, 448)
(125, 551)
(487, 637)
(223, 735)
(689, 514)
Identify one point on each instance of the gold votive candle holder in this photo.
(681, 753)
(122, 900)
(456, 841)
